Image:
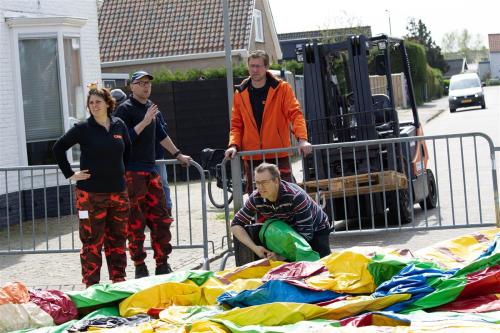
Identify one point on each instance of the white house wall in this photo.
(10, 154)
(495, 65)
(11, 137)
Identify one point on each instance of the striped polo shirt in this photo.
(293, 206)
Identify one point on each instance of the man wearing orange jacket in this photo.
(263, 109)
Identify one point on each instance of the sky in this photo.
(440, 16)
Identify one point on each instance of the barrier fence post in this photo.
(495, 184)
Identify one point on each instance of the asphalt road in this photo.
(463, 171)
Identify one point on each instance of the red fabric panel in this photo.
(56, 303)
(482, 282)
(295, 271)
(484, 303)
(365, 319)
(155, 312)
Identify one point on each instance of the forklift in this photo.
(365, 177)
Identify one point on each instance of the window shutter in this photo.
(40, 89)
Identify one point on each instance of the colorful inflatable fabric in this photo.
(451, 286)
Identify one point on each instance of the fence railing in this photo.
(38, 215)
(407, 183)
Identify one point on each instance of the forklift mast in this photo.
(340, 105)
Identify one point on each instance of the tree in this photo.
(418, 32)
(462, 44)
(339, 27)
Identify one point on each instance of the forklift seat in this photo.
(381, 108)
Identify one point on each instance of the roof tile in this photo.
(137, 29)
(494, 42)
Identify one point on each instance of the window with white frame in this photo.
(50, 86)
(258, 27)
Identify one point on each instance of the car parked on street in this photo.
(465, 90)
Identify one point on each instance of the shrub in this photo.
(418, 68)
(434, 83)
(193, 74)
(493, 82)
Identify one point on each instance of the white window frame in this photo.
(47, 27)
(258, 25)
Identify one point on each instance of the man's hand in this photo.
(304, 147)
(262, 252)
(275, 257)
(150, 114)
(184, 159)
(230, 153)
(80, 175)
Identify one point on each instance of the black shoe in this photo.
(141, 271)
(163, 269)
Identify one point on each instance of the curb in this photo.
(435, 115)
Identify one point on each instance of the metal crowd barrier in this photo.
(38, 215)
(364, 188)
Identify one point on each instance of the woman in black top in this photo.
(101, 196)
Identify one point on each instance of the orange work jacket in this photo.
(281, 110)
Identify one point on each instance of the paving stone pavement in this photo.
(62, 270)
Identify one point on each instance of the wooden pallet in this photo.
(353, 185)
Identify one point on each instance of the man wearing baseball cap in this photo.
(147, 198)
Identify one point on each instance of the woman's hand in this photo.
(80, 175)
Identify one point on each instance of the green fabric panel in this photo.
(101, 294)
(316, 325)
(447, 290)
(480, 264)
(384, 267)
(279, 237)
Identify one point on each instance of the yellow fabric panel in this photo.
(456, 253)
(355, 305)
(207, 326)
(254, 270)
(380, 320)
(213, 290)
(348, 273)
(185, 315)
(162, 296)
(273, 314)
(276, 314)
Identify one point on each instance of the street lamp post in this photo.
(389, 16)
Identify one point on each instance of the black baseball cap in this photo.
(140, 74)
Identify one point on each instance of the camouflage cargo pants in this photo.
(148, 208)
(103, 221)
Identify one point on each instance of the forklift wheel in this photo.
(405, 207)
(453, 110)
(431, 200)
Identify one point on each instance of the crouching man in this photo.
(278, 199)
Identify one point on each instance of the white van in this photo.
(465, 90)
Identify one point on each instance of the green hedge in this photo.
(435, 85)
(418, 68)
(166, 75)
(493, 82)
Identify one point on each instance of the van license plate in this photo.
(467, 100)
